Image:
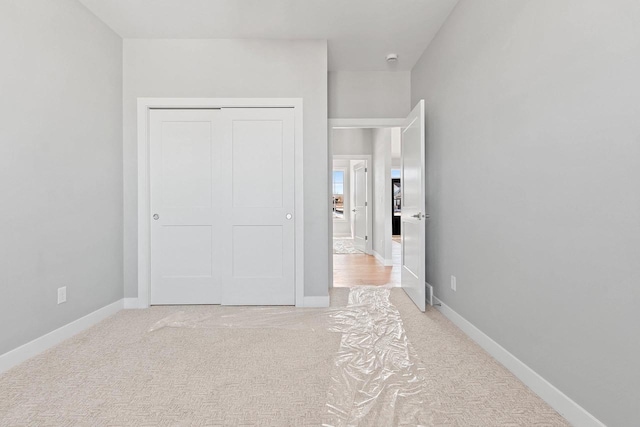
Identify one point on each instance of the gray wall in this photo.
(60, 166)
(369, 94)
(533, 135)
(234, 69)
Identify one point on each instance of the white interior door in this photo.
(413, 206)
(258, 216)
(184, 202)
(359, 210)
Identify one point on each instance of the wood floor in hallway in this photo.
(361, 269)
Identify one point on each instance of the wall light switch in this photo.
(453, 284)
(62, 295)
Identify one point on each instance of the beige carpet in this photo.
(119, 373)
(465, 385)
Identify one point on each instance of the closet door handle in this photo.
(156, 217)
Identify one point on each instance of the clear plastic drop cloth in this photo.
(248, 318)
(377, 378)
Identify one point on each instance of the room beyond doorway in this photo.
(363, 198)
(362, 269)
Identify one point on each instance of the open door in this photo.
(413, 206)
(359, 211)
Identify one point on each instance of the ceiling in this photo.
(360, 33)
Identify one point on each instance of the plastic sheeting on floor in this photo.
(377, 378)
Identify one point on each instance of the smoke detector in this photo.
(392, 58)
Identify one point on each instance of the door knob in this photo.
(156, 216)
(289, 216)
(353, 210)
(418, 215)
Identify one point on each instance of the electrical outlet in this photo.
(62, 295)
(453, 284)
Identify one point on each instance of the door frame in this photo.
(349, 123)
(145, 105)
(368, 158)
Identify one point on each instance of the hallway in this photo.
(360, 269)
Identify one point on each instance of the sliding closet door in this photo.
(185, 201)
(258, 175)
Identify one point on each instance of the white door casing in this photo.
(359, 211)
(414, 206)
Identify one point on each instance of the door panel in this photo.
(186, 164)
(258, 251)
(186, 251)
(182, 176)
(413, 206)
(359, 211)
(257, 170)
(411, 249)
(258, 266)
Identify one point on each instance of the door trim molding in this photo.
(144, 220)
(368, 158)
(317, 302)
(365, 123)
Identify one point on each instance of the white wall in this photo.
(533, 160)
(382, 193)
(60, 166)
(351, 142)
(369, 94)
(234, 69)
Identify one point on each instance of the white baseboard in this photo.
(45, 342)
(316, 301)
(131, 303)
(570, 410)
(342, 235)
(383, 261)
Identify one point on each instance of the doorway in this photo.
(364, 251)
(411, 272)
(351, 210)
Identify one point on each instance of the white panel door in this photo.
(359, 211)
(413, 206)
(258, 216)
(184, 200)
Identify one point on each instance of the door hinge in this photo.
(366, 203)
(366, 237)
(366, 170)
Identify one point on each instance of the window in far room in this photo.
(338, 193)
